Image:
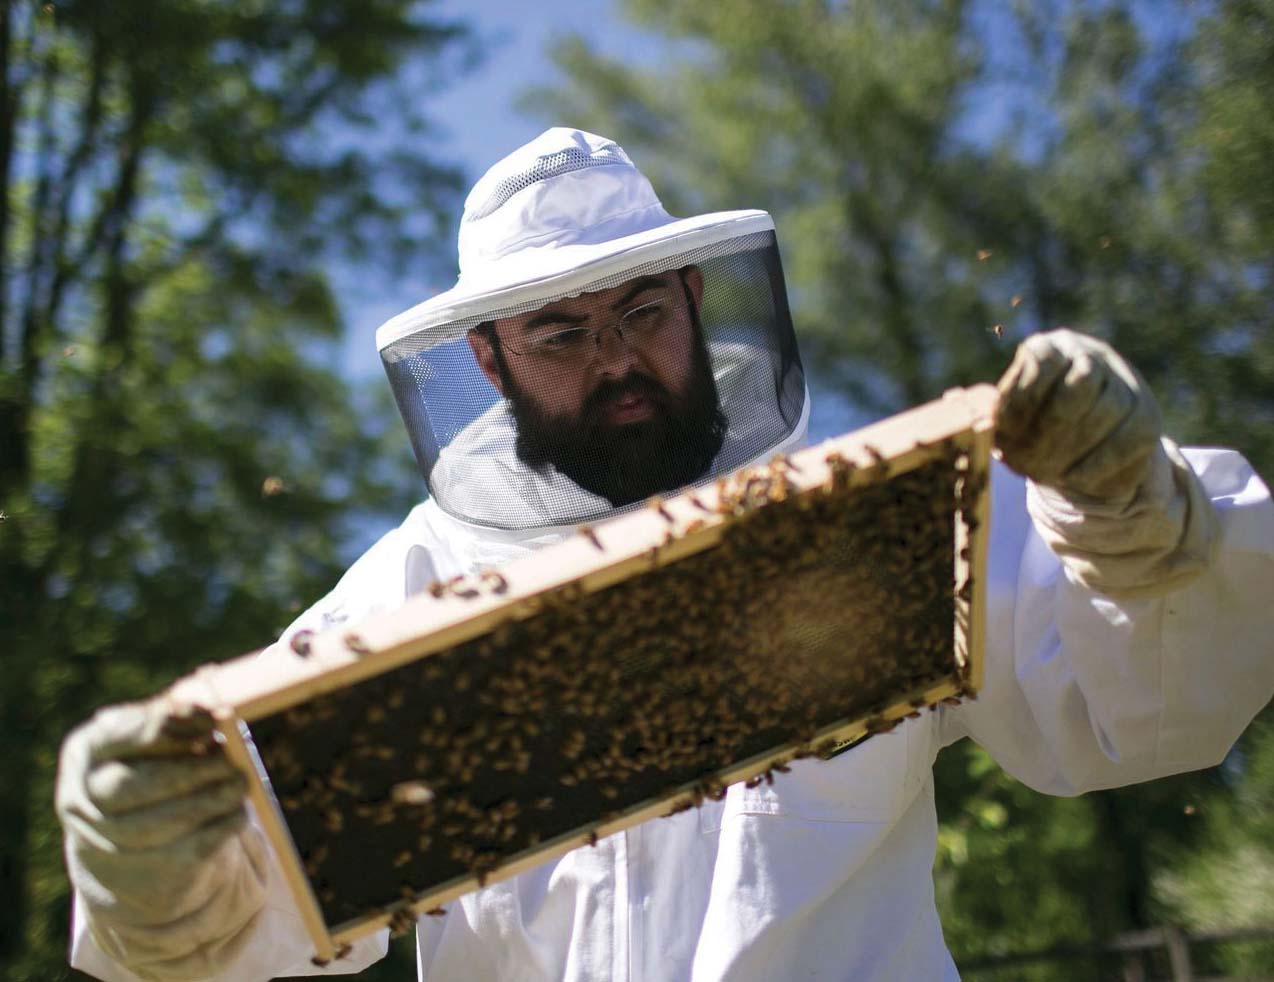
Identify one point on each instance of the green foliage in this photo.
(182, 467)
(939, 168)
(834, 120)
(1226, 881)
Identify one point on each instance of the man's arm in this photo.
(1083, 691)
(1129, 628)
(172, 877)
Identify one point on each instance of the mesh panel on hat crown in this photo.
(553, 165)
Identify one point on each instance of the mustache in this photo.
(633, 384)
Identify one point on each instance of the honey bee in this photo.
(412, 793)
(495, 580)
(356, 643)
(400, 922)
(657, 504)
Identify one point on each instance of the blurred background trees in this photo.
(184, 461)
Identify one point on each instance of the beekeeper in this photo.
(596, 350)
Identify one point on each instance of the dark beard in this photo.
(627, 462)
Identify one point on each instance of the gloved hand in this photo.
(157, 839)
(1111, 496)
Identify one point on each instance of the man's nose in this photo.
(615, 356)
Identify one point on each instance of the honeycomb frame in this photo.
(953, 432)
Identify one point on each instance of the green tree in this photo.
(181, 464)
(1226, 882)
(837, 120)
(942, 173)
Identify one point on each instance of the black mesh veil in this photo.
(564, 409)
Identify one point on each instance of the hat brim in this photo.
(546, 273)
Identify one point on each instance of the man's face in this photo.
(613, 388)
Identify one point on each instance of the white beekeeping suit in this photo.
(1128, 631)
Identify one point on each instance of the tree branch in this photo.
(15, 412)
(119, 287)
(90, 124)
(10, 101)
(46, 142)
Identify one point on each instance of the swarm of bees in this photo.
(814, 607)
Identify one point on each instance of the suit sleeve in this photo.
(1082, 692)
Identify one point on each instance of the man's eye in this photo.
(563, 340)
(647, 313)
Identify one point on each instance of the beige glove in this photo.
(157, 840)
(1111, 496)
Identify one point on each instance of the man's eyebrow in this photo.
(639, 285)
(552, 317)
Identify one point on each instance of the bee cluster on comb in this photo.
(766, 619)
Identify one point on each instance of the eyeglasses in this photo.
(636, 326)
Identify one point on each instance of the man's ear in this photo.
(692, 276)
(484, 354)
